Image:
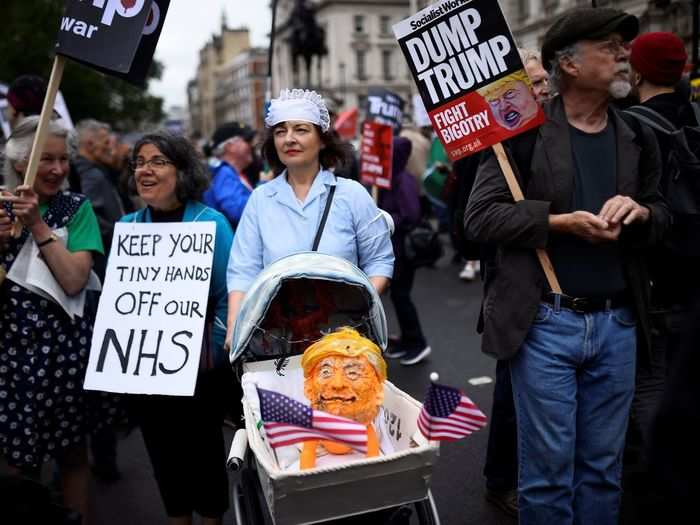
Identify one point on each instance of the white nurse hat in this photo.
(298, 104)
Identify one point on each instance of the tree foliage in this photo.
(30, 28)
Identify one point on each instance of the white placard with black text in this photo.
(150, 321)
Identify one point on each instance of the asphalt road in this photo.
(448, 309)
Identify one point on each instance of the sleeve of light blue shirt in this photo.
(246, 260)
(375, 254)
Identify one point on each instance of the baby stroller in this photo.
(291, 304)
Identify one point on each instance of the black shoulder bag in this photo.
(322, 225)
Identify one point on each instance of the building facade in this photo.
(240, 89)
(530, 19)
(214, 57)
(362, 50)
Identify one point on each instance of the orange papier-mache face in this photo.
(344, 375)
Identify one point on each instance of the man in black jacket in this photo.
(657, 61)
(591, 200)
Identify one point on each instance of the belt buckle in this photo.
(578, 305)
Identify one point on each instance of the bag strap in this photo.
(696, 110)
(652, 118)
(322, 225)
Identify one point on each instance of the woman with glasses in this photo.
(44, 412)
(284, 216)
(183, 435)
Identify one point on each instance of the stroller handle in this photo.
(238, 449)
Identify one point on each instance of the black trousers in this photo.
(643, 492)
(185, 442)
(501, 469)
(411, 333)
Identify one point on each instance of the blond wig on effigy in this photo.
(346, 342)
(495, 89)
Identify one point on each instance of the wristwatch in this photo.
(50, 239)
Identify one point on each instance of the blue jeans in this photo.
(573, 382)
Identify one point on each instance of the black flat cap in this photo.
(586, 23)
(229, 130)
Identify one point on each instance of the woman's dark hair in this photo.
(335, 153)
(191, 174)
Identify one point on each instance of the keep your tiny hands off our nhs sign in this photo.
(464, 61)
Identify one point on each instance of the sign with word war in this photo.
(104, 33)
(151, 317)
(464, 61)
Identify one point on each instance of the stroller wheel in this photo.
(250, 508)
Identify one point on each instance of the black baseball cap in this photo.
(230, 130)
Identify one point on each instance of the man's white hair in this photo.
(88, 127)
(529, 54)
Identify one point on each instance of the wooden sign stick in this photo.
(517, 194)
(375, 194)
(46, 114)
(42, 128)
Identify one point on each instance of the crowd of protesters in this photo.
(591, 379)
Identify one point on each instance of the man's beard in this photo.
(620, 88)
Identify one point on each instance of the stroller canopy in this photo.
(296, 299)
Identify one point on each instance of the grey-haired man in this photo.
(592, 201)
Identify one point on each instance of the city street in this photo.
(448, 309)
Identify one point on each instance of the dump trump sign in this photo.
(469, 74)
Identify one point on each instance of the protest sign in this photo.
(385, 107)
(420, 115)
(375, 154)
(469, 74)
(138, 72)
(103, 33)
(150, 321)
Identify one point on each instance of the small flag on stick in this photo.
(447, 414)
(288, 421)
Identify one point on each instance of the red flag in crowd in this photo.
(346, 124)
(448, 414)
(287, 421)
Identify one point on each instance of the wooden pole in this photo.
(517, 194)
(42, 129)
(46, 113)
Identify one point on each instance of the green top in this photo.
(437, 153)
(83, 230)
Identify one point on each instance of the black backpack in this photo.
(680, 183)
(422, 245)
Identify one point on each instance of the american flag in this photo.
(448, 414)
(287, 421)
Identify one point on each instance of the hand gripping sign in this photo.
(464, 61)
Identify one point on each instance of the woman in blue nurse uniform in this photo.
(282, 217)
